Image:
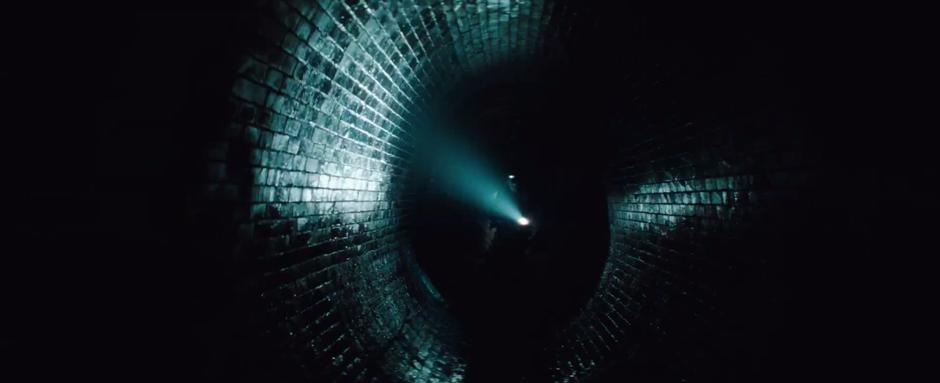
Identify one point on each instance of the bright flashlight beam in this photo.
(522, 221)
(458, 170)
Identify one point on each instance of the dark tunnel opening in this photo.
(320, 191)
(510, 285)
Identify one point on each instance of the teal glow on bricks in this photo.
(325, 104)
(325, 109)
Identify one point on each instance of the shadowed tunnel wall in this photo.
(283, 186)
(322, 107)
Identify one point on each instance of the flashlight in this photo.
(522, 221)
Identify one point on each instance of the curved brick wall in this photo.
(318, 149)
(745, 222)
(321, 107)
(711, 191)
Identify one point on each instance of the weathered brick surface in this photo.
(705, 202)
(322, 102)
(673, 257)
(318, 150)
(713, 198)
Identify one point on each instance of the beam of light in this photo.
(461, 171)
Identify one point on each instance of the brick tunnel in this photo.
(262, 159)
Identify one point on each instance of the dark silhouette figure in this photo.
(513, 286)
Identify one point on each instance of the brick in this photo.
(324, 106)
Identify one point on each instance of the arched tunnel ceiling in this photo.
(214, 193)
(324, 101)
(319, 145)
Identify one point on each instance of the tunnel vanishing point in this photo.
(257, 177)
